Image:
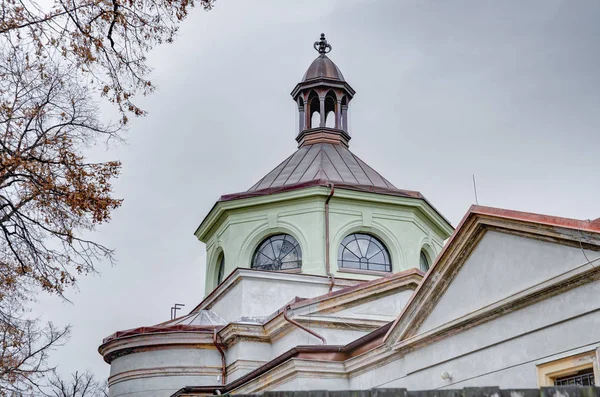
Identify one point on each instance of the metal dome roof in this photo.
(323, 67)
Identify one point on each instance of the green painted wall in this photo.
(237, 227)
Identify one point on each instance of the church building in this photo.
(325, 276)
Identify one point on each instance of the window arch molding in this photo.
(214, 259)
(376, 230)
(261, 232)
(363, 252)
(429, 251)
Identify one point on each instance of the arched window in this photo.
(278, 252)
(423, 261)
(364, 252)
(220, 269)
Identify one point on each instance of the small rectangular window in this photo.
(576, 370)
(585, 377)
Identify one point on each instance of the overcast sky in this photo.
(505, 90)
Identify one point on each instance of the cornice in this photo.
(291, 369)
(238, 365)
(278, 327)
(221, 207)
(574, 278)
(143, 342)
(201, 370)
(457, 251)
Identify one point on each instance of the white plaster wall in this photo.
(246, 350)
(386, 308)
(163, 386)
(263, 297)
(159, 371)
(501, 265)
(299, 337)
(502, 352)
(300, 383)
(249, 350)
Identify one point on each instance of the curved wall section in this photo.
(159, 364)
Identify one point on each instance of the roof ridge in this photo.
(283, 163)
(361, 167)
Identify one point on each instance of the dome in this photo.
(323, 67)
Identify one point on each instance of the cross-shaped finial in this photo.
(322, 46)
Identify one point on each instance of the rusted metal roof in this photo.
(201, 320)
(323, 162)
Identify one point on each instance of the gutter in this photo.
(327, 264)
(223, 359)
(297, 324)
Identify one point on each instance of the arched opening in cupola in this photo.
(314, 110)
(331, 110)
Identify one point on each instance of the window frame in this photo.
(423, 254)
(220, 268)
(549, 371)
(260, 244)
(378, 240)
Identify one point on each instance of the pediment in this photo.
(494, 258)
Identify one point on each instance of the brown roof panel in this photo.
(322, 161)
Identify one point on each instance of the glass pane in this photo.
(292, 256)
(363, 251)
(373, 249)
(363, 244)
(347, 239)
(276, 245)
(348, 255)
(350, 264)
(278, 252)
(285, 248)
(353, 248)
(261, 261)
(221, 269)
(378, 259)
(378, 267)
(423, 262)
(267, 250)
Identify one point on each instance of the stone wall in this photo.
(466, 392)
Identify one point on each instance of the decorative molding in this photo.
(160, 372)
(367, 218)
(243, 365)
(288, 196)
(292, 369)
(566, 366)
(452, 259)
(155, 341)
(272, 220)
(572, 279)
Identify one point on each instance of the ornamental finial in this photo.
(322, 46)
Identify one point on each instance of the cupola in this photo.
(322, 98)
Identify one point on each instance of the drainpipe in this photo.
(223, 360)
(297, 324)
(327, 265)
